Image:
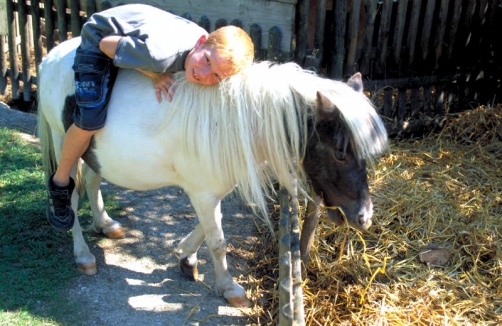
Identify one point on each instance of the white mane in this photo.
(253, 126)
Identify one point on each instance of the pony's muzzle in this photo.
(360, 221)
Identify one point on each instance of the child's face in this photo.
(204, 66)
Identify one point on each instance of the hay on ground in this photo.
(444, 191)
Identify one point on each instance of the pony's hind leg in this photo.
(187, 250)
(101, 222)
(86, 262)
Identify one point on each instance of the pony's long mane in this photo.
(252, 127)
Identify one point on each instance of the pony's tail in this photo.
(49, 161)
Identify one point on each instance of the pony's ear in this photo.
(325, 108)
(356, 82)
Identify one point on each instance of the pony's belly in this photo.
(138, 173)
(140, 179)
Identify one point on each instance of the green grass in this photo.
(36, 262)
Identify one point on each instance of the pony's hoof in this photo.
(114, 231)
(86, 263)
(240, 302)
(115, 234)
(188, 270)
(88, 269)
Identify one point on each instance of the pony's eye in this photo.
(340, 155)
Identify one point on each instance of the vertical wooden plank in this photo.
(274, 44)
(337, 60)
(401, 104)
(414, 102)
(37, 35)
(285, 272)
(236, 22)
(452, 99)
(427, 28)
(302, 25)
(22, 13)
(296, 263)
(220, 23)
(14, 66)
(470, 9)
(399, 31)
(90, 8)
(187, 16)
(387, 102)
(413, 30)
(491, 9)
(383, 36)
(320, 23)
(255, 34)
(3, 65)
(427, 101)
(483, 6)
(61, 16)
(455, 20)
(353, 26)
(103, 5)
(371, 9)
(439, 107)
(439, 40)
(204, 23)
(49, 25)
(75, 18)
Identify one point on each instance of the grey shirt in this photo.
(153, 39)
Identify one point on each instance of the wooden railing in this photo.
(420, 59)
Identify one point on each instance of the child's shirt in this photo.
(153, 39)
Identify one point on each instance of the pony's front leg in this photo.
(209, 212)
(101, 222)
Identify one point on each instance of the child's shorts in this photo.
(94, 78)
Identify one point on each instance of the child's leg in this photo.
(75, 144)
(94, 78)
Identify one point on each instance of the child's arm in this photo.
(163, 83)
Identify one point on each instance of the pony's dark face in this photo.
(336, 173)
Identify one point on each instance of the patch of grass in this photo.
(36, 262)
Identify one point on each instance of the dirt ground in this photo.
(138, 280)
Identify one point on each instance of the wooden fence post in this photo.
(285, 286)
(14, 67)
(291, 311)
(24, 32)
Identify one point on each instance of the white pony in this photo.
(248, 131)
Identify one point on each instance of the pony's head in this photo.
(343, 137)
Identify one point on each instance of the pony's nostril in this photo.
(364, 221)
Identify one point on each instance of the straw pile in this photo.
(433, 255)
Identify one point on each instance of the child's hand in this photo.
(164, 84)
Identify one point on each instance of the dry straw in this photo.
(443, 191)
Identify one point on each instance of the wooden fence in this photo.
(419, 58)
(57, 20)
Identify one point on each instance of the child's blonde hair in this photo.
(234, 45)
